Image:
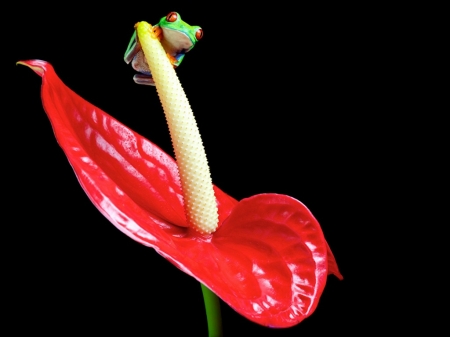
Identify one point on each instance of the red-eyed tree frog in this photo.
(177, 38)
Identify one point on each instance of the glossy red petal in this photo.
(268, 259)
(114, 164)
(275, 259)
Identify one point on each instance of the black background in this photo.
(298, 74)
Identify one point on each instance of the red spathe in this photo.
(268, 259)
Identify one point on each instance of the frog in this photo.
(177, 38)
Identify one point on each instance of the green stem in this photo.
(212, 306)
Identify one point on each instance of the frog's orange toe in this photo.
(157, 32)
(172, 59)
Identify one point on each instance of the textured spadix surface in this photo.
(195, 178)
(268, 259)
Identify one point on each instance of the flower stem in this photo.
(212, 306)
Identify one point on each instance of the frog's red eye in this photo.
(199, 34)
(172, 17)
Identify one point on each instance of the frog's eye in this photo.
(172, 17)
(199, 34)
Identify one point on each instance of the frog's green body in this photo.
(177, 38)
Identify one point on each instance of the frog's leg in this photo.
(133, 48)
(144, 75)
(177, 59)
(173, 60)
(144, 79)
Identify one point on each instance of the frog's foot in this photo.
(144, 79)
(157, 32)
(172, 60)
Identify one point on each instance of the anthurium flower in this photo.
(268, 259)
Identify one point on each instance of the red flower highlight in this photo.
(268, 259)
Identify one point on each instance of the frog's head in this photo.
(178, 36)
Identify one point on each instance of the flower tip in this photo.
(38, 66)
(338, 275)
